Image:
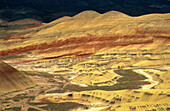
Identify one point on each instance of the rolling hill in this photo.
(87, 33)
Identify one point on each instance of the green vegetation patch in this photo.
(12, 109)
(34, 73)
(11, 57)
(129, 80)
(56, 91)
(60, 106)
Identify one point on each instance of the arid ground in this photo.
(88, 62)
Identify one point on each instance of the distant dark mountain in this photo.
(49, 10)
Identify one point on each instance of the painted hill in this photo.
(89, 32)
(112, 58)
(12, 80)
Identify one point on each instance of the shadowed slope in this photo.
(2, 21)
(12, 80)
(24, 21)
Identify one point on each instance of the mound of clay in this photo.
(13, 80)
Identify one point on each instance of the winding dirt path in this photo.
(149, 79)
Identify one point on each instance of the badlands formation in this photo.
(91, 61)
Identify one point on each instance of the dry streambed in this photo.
(149, 79)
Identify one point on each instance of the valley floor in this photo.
(104, 81)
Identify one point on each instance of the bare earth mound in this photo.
(12, 80)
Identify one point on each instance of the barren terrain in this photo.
(91, 61)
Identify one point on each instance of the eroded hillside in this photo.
(13, 80)
(92, 61)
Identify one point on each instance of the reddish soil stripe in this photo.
(76, 41)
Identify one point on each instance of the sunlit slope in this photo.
(97, 78)
(129, 100)
(88, 32)
(90, 22)
(12, 80)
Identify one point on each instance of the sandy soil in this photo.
(150, 79)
